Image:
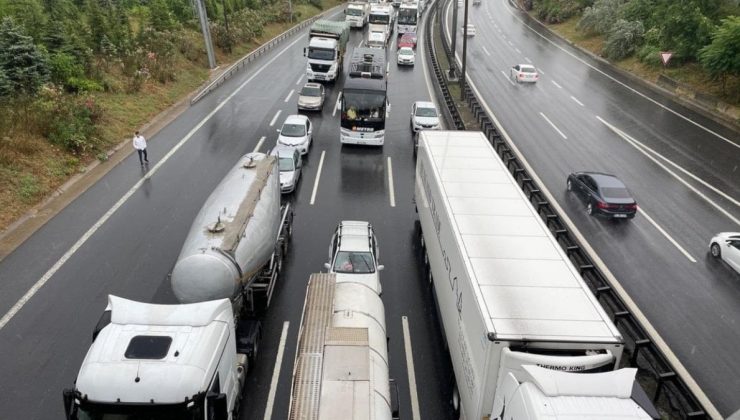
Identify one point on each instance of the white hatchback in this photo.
(296, 132)
(353, 254)
(524, 73)
(726, 245)
(406, 56)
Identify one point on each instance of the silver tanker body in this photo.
(235, 245)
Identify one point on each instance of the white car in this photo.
(353, 254)
(524, 73)
(726, 245)
(424, 116)
(296, 132)
(289, 165)
(471, 29)
(406, 56)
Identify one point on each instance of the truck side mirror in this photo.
(381, 267)
(304, 51)
(69, 397)
(218, 408)
(327, 266)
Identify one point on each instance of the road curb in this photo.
(714, 114)
(36, 217)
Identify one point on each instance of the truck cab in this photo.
(356, 14)
(163, 361)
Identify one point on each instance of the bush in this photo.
(556, 11)
(623, 39)
(69, 120)
(722, 56)
(63, 67)
(600, 17)
(650, 54)
(81, 85)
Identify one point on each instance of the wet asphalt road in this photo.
(131, 254)
(580, 116)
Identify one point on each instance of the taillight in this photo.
(632, 206)
(602, 205)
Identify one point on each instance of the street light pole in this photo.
(454, 33)
(465, 50)
(206, 33)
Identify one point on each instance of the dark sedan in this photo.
(603, 194)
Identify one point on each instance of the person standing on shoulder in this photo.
(140, 146)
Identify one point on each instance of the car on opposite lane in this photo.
(406, 56)
(424, 116)
(290, 163)
(311, 97)
(604, 194)
(471, 30)
(296, 132)
(353, 254)
(525, 73)
(726, 246)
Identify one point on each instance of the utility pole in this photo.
(454, 33)
(206, 33)
(290, 7)
(465, 50)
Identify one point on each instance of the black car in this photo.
(603, 194)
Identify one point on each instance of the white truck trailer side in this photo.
(510, 302)
(341, 367)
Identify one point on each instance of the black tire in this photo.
(715, 250)
(590, 209)
(569, 185)
(455, 400)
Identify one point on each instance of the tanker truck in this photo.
(327, 43)
(341, 366)
(527, 338)
(189, 361)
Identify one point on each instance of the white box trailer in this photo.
(510, 302)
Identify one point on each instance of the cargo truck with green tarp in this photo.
(326, 47)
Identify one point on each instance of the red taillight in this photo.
(632, 206)
(602, 205)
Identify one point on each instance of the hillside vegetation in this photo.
(77, 76)
(703, 35)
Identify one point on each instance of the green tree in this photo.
(5, 87)
(600, 17)
(684, 28)
(623, 39)
(161, 17)
(24, 65)
(722, 56)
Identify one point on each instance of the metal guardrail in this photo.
(239, 65)
(656, 372)
(452, 114)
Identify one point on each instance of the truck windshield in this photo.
(407, 17)
(320, 54)
(182, 411)
(354, 12)
(380, 19)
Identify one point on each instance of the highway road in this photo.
(681, 167)
(123, 235)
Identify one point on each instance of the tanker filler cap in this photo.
(217, 227)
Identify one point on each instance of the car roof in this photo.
(312, 85)
(355, 236)
(528, 66)
(606, 180)
(405, 49)
(408, 35)
(282, 150)
(425, 104)
(295, 119)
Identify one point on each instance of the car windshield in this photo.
(615, 192)
(293, 130)
(426, 112)
(310, 91)
(405, 51)
(182, 411)
(354, 262)
(528, 70)
(285, 164)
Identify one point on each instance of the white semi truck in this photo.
(176, 361)
(327, 43)
(356, 14)
(382, 19)
(341, 367)
(527, 338)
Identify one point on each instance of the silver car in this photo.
(311, 97)
(289, 165)
(424, 116)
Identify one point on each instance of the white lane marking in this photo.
(556, 84)
(274, 119)
(667, 236)
(410, 369)
(517, 50)
(643, 149)
(527, 60)
(287, 98)
(336, 104)
(676, 113)
(318, 176)
(298, 82)
(631, 305)
(259, 144)
(276, 372)
(508, 79)
(388, 68)
(71, 251)
(486, 51)
(577, 101)
(390, 183)
(554, 126)
(540, 70)
(510, 44)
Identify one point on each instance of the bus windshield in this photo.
(363, 105)
(407, 17)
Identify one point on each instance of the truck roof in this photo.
(330, 27)
(525, 286)
(368, 63)
(171, 360)
(341, 368)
